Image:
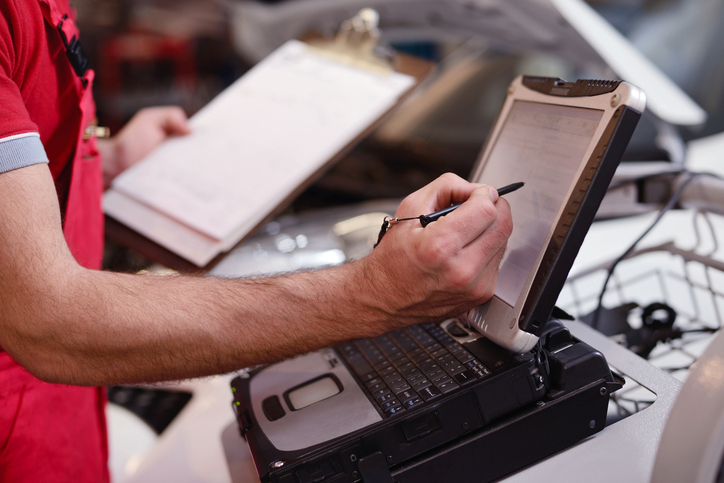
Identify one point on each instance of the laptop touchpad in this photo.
(312, 392)
(320, 398)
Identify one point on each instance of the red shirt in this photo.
(36, 84)
(50, 432)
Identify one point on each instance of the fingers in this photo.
(175, 121)
(450, 265)
(484, 286)
(474, 267)
(171, 120)
(469, 222)
(446, 190)
(473, 218)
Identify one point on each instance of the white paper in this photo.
(258, 141)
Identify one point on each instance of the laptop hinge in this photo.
(374, 469)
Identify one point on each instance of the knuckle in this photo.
(450, 177)
(436, 251)
(485, 289)
(405, 204)
(488, 209)
(506, 225)
(462, 278)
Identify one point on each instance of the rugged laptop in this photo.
(501, 387)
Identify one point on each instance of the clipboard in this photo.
(152, 209)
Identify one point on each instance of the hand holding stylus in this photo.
(427, 219)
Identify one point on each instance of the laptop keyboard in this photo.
(408, 368)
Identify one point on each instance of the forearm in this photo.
(108, 328)
(68, 324)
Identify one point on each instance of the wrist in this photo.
(108, 149)
(370, 293)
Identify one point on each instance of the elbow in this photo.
(43, 364)
(41, 320)
(36, 344)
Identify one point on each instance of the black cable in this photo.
(646, 177)
(670, 204)
(691, 331)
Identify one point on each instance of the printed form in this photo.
(251, 147)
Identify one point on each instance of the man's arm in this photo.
(71, 325)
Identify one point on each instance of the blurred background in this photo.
(185, 52)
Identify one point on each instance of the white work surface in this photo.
(203, 445)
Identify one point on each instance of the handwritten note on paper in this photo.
(259, 140)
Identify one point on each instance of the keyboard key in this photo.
(422, 383)
(382, 339)
(464, 356)
(465, 377)
(392, 377)
(447, 386)
(349, 349)
(440, 352)
(387, 370)
(445, 339)
(478, 368)
(456, 369)
(369, 376)
(394, 410)
(384, 398)
(426, 341)
(377, 387)
(455, 349)
(359, 365)
(376, 358)
(425, 362)
(393, 353)
(435, 373)
(429, 392)
(372, 382)
(401, 386)
(406, 368)
(417, 355)
(413, 375)
(390, 403)
(400, 359)
(405, 396)
(440, 379)
(413, 403)
(448, 360)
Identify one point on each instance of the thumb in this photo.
(175, 122)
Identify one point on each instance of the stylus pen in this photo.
(427, 219)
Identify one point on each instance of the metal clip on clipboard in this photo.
(355, 43)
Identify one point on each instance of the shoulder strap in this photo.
(68, 35)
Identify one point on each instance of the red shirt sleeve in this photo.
(17, 49)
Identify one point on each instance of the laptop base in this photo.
(574, 407)
(516, 442)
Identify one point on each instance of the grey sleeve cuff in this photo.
(20, 151)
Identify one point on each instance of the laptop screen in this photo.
(556, 137)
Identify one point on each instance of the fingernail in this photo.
(493, 193)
